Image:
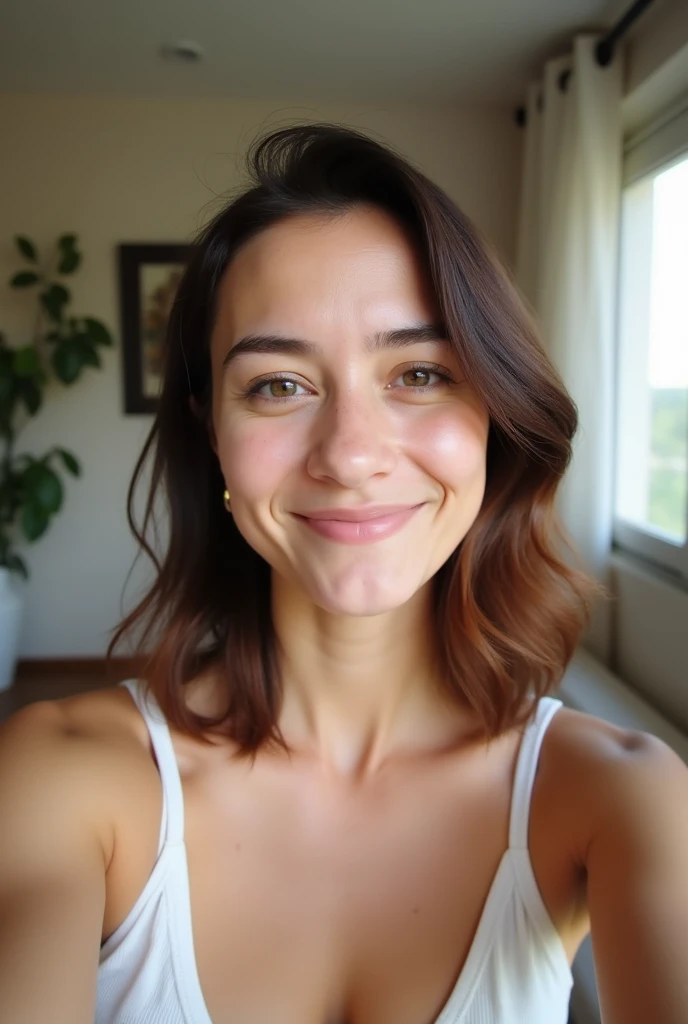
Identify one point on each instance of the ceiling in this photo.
(479, 51)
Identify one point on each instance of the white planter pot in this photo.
(11, 608)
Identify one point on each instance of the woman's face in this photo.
(352, 447)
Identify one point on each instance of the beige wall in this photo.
(655, 65)
(122, 170)
(659, 36)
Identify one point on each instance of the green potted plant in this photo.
(31, 490)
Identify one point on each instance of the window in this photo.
(651, 487)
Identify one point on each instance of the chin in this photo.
(363, 597)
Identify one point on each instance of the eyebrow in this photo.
(272, 343)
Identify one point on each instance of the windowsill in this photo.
(650, 640)
(631, 561)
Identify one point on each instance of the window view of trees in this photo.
(668, 495)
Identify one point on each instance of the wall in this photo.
(660, 34)
(656, 64)
(123, 170)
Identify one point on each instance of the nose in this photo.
(353, 442)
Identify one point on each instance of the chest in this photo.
(309, 904)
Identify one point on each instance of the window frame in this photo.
(654, 148)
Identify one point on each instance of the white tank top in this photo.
(516, 970)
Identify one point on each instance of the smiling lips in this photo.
(361, 525)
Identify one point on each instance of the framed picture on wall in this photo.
(148, 280)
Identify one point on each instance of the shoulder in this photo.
(615, 782)
(102, 719)
(625, 797)
(593, 746)
(64, 769)
(77, 755)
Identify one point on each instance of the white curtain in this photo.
(566, 267)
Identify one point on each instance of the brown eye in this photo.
(276, 387)
(417, 378)
(282, 388)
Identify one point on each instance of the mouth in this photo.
(359, 526)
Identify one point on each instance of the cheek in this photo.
(255, 456)
(451, 445)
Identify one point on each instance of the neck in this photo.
(359, 691)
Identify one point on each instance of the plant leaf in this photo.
(44, 487)
(30, 394)
(89, 356)
(27, 361)
(6, 431)
(66, 241)
(34, 521)
(97, 331)
(53, 299)
(18, 565)
(23, 279)
(26, 248)
(70, 461)
(67, 361)
(69, 262)
(6, 504)
(6, 374)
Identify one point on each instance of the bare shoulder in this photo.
(625, 798)
(75, 753)
(611, 778)
(105, 719)
(65, 768)
(592, 744)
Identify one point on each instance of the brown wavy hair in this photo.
(508, 610)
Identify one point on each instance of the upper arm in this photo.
(52, 872)
(637, 866)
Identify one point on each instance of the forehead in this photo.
(324, 269)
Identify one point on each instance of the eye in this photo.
(276, 388)
(421, 378)
(417, 378)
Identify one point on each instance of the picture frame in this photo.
(148, 278)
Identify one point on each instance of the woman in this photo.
(342, 795)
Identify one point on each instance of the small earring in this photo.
(228, 503)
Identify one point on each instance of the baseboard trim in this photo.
(57, 668)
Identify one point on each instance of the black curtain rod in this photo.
(604, 51)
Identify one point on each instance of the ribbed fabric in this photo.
(516, 972)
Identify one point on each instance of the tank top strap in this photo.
(526, 768)
(172, 824)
